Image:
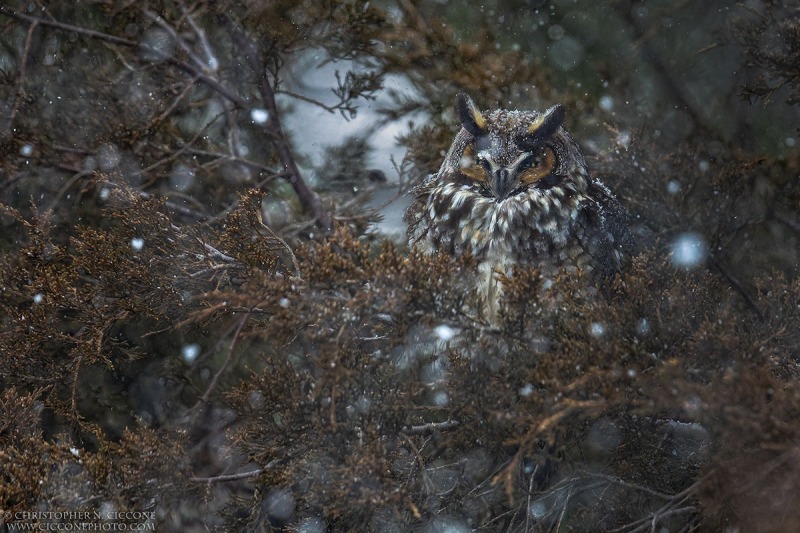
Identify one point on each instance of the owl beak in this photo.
(502, 183)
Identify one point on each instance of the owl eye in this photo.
(532, 160)
(537, 166)
(474, 166)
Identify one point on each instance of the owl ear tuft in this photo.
(470, 116)
(544, 126)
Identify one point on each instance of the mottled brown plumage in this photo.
(514, 190)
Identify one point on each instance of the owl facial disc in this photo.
(504, 181)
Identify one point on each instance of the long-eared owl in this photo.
(513, 191)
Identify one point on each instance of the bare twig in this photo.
(272, 236)
(670, 508)
(211, 59)
(186, 67)
(172, 205)
(674, 86)
(219, 255)
(431, 427)
(64, 188)
(220, 158)
(228, 359)
(235, 477)
(528, 503)
(229, 477)
(308, 199)
(174, 155)
(328, 108)
(178, 39)
(739, 288)
(168, 111)
(199, 70)
(20, 93)
(563, 509)
(633, 486)
(791, 224)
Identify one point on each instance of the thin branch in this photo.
(183, 210)
(235, 477)
(431, 427)
(230, 477)
(371, 212)
(680, 93)
(174, 155)
(68, 27)
(791, 224)
(207, 65)
(308, 199)
(228, 359)
(328, 108)
(282, 244)
(739, 288)
(220, 158)
(563, 509)
(64, 188)
(186, 67)
(528, 503)
(168, 111)
(178, 39)
(649, 522)
(633, 486)
(212, 63)
(20, 93)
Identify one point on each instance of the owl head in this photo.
(512, 189)
(501, 154)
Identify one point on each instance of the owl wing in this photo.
(611, 242)
(416, 211)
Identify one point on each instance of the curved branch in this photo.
(186, 67)
(308, 199)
